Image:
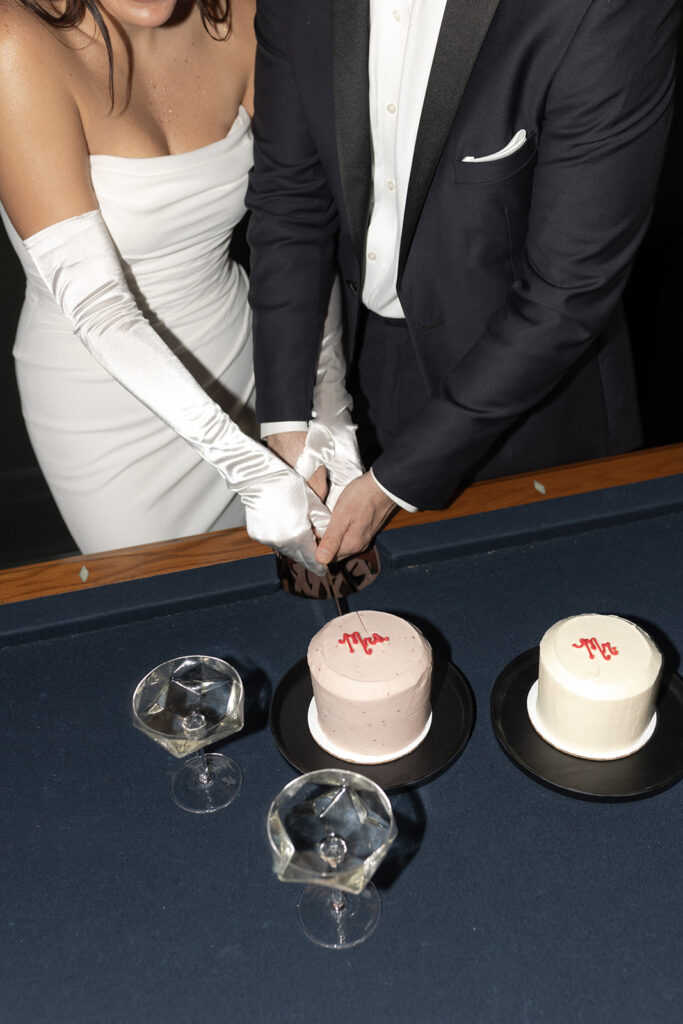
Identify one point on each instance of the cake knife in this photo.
(337, 600)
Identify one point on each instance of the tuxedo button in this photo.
(391, 107)
(353, 287)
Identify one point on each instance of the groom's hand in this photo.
(361, 509)
(289, 446)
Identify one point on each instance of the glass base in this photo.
(338, 920)
(206, 783)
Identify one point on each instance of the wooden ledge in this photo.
(82, 572)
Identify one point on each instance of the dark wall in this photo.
(32, 529)
(654, 298)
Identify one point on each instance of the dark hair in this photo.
(213, 14)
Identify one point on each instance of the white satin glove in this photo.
(331, 437)
(78, 262)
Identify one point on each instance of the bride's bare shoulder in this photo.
(25, 36)
(31, 51)
(20, 22)
(37, 98)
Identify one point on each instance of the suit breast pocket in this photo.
(491, 200)
(488, 170)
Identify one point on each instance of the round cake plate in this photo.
(452, 721)
(322, 741)
(654, 767)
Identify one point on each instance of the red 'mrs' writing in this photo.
(366, 642)
(606, 651)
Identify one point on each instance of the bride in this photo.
(126, 146)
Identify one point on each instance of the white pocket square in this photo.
(515, 143)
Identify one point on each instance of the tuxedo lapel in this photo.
(464, 26)
(350, 40)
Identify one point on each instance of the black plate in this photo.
(657, 765)
(452, 722)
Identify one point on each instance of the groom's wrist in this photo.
(283, 427)
(397, 501)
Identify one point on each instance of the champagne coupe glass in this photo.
(331, 829)
(185, 704)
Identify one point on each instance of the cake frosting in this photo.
(371, 674)
(597, 685)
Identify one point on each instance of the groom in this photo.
(480, 174)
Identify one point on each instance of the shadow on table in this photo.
(408, 809)
(257, 694)
(411, 822)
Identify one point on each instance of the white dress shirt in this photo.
(403, 35)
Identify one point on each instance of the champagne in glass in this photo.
(331, 829)
(185, 704)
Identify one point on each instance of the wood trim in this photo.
(64, 575)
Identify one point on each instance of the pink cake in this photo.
(371, 674)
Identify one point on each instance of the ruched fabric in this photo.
(119, 475)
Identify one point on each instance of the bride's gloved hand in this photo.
(78, 262)
(331, 437)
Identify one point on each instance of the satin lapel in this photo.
(464, 26)
(350, 40)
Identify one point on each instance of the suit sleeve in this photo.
(600, 151)
(292, 232)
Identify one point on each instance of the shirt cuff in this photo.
(397, 501)
(282, 427)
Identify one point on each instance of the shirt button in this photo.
(391, 107)
(372, 256)
(391, 185)
(397, 15)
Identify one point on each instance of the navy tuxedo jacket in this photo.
(510, 270)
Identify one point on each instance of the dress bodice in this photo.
(118, 473)
(171, 219)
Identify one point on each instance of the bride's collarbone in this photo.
(170, 99)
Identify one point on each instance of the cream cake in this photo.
(371, 674)
(597, 685)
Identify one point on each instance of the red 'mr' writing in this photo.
(606, 650)
(366, 642)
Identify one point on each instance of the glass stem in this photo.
(204, 773)
(338, 902)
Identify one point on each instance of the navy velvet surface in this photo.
(502, 900)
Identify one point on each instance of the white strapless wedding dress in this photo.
(118, 474)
